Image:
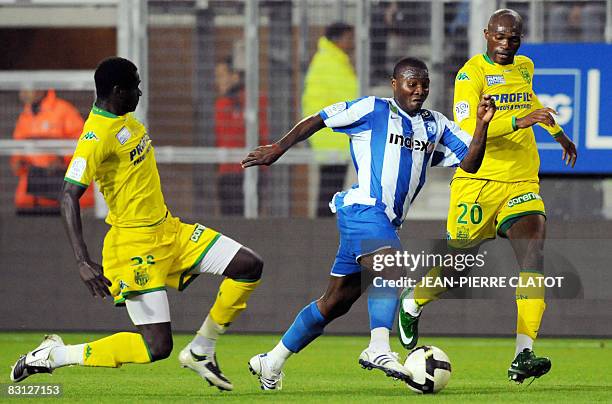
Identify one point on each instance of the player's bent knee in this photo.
(333, 307)
(247, 264)
(160, 347)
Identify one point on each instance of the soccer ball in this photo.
(430, 368)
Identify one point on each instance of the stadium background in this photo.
(176, 45)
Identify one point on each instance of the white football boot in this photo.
(269, 379)
(207, 367)
(36, 361)
(387, 361)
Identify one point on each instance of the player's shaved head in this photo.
(506, 18)
(114, 71)
(117, 84)
(503, 35)
(410, 67)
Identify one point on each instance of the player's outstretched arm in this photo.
(268, 154)
(486, 110)
(90, 272)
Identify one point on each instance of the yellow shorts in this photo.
(147, 259)
(480, 209)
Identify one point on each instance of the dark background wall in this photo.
(40, 288)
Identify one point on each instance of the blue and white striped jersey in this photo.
(392, 150)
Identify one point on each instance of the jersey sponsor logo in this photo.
(462, 76)
(529, 196)
(512, 101)
(197, 233)
(494, 79)
(77, 169)
(141, 150)
(525, 74)
(123, 284)
(462, 110)
(123, 135)
(411, 144)
(334, 109)
(90, 136)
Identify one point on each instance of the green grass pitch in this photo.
(327, 371)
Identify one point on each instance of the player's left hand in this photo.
(569, 149)
(263, 155)
(486, 108)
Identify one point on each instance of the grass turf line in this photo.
(327, 371)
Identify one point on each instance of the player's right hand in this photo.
(542, 115)
(486, 108)
(263, 155)
(93, 277)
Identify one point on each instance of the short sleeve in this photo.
(92, 149)
(453, 145)
(349, 117)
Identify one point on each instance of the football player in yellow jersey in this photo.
(502, 198)
(146, 248)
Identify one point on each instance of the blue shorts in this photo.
(363, 230)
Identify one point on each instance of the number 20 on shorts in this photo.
(470, 213)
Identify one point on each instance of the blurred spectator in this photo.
(330, 78)
(230, 132)
(579, 22)
(41, 176)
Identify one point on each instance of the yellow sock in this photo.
(231, 300)
(424, 294)
(530, 303)
(115, 350)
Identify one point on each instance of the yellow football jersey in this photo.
(117, 153)
(511, 154)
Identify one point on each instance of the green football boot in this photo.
(408, 324)
(527, 365)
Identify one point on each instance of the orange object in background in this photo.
(44, 117)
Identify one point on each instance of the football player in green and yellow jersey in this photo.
(502, 198)
(146, 248)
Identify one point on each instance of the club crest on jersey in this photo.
(141, 277)
(495, 79)
(411, 144)
(525, 74)
(463, 233)
(430, 127)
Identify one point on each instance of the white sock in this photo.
(278, 356)
(410, 306)
(205, 341)
(523, 341)
(379, 340)
(66, 355)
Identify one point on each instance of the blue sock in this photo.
(307, 326)
(382, 307)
